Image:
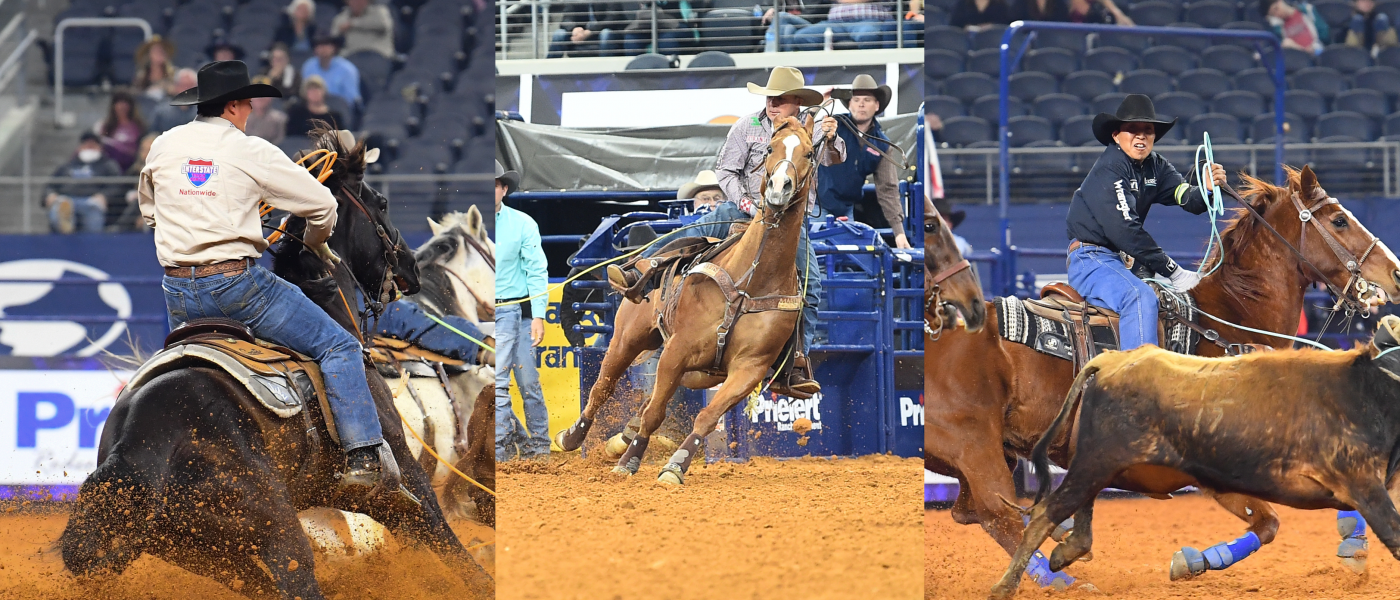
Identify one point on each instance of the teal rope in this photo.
(1263, 332)
(459, 332)
(1387, 351)
(1215, 202)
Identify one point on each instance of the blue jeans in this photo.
(88, 216)
(788, 24)
(717, 224)
(407, 321)
(601, 43)
(280, 313)
(865, 34)
(514, 354)
(1100, 276)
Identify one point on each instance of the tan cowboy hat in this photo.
(787, 80)
(863, 83)
(704, 180)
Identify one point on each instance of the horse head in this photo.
(789, 163)
(951, 286)
(458, 265)
(1343, 254)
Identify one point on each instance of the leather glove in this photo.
(324, 251)
(1184, 279)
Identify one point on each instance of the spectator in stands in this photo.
(522, 279)
(840, 187)
(298, 29)
(121, 129)
(1296, 24)
(1040, 10)
(862, 22)
(280, 72)
(1097, 12)
(312, 105)
(365, 27)
(266, 121)
(340, 77)
(1370, 29)
(796, 14)
(78, 205)
(586, 29)
(130, 219)
(704, 194)
(153, 68)
(167, 116)
(974, 15)
(675, 25)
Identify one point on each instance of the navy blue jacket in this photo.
(840, 186)
(1110, 207)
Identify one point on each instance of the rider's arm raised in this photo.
(290, 187)
(1109, 196)
(1173, 190)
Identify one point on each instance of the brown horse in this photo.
(951, 286)
(760, 273)
(990, 400)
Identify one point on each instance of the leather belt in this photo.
(228, 268)
(1076, 244)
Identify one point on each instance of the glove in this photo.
(1184, 279)
(324, 251)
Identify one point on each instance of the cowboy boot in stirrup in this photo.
(796, 380)
(362, 471)
(621, 279)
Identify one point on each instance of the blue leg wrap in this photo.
(1350, 524)
(1224, 554)
(1039, 570)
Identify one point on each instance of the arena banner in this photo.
(54, 419)
(651, 158)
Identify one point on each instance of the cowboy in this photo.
(200, 190)
(951, 219)
(1107, 213)
(740, 171)
(840, 187)
(522, 279)
(703, 192)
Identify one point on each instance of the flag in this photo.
(933, 176)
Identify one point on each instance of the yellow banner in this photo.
(558, 364)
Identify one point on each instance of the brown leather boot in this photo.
(796, 380)
(621, 280)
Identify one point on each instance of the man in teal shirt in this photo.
(522, 279)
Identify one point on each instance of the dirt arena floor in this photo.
(31, 568)
(1133, 545)
(807, 528)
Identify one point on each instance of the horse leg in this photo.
(1354, 547)
(284, 548)
(1376, 506)
(631, 337)
(1263, 525)
(668, 377)
(742, 380)
(1081, 485)
(1079, 541)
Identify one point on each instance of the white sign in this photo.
(50, 423)
(660, 108)
(51, 338)
(911, 413)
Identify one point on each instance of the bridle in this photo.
(933, 289)
(485, 306)
(800, 191)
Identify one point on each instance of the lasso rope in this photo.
(403, 384)
(1214, 201)
(1264, 332)
(459, 332)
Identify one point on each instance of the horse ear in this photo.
(1307, 182)
(433, 226)
(474, 220)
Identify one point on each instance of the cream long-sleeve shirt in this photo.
(200, 191)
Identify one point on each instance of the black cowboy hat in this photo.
(864, 83)
(945, 208)
(511, 178)
(224, 81)
(1136, 108)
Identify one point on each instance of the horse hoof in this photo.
(1187, 562)
(669, 478)
(621, 470)
(615, 447)
(1353, 551)
(1357, 564)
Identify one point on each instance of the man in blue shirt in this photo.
(341, 76)
(522, 280)
(841, 186)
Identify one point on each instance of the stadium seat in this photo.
(1257, 80)
(1389, 57)
(969, 86)
(1370, 103)
(82, 56)
(730, 30)
(1182, 105)
(1382, 79)
(1055, 61)
(1343, 122)
(1087, 85)
(1134, 42)
(1031, 85)
(1107, 103)
(1323, 80)
(153, 12)
(1110, 60)
(1223, 128)
(941, 64)
(985, 61)
(943, 37)
(1145, 81)
(987, 38)
(1169, 59)
(1240, 104)
(1025, 129)
(1057, 108)
(1205, 82)
(1068, 40)
(198, 15)
(374, 71)
(123, 44)
(1249, 11)
(1392, 125)
(710, 59)
(1211, 13)
(944, 106)
(1078, 131)
(650, 60)
(1228, 59)
(1154, 13)
(1344, 58)
(1336, 13)
(958, 132)
(1195, 45)
(1340, 157)
(1043, 163)
(988, 108)
(1305, 103)
(1262, 129)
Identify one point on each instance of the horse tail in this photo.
(1040, 456)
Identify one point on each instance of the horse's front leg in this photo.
(669, 370)
(744, 376)
(632, 335)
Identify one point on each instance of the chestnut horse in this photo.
(761, 267)
(951, 286)
(990, 400)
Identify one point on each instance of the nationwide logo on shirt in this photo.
(199, 171)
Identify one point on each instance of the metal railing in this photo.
(66, 24)
(538, 24)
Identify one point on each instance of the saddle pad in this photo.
(283, 394)
(1021, 326)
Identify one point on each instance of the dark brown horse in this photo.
(988, 401)
(761, 267)
(952, 289)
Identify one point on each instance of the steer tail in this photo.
(1040, 456)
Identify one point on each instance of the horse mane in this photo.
(1244, 285)
(349, 161)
